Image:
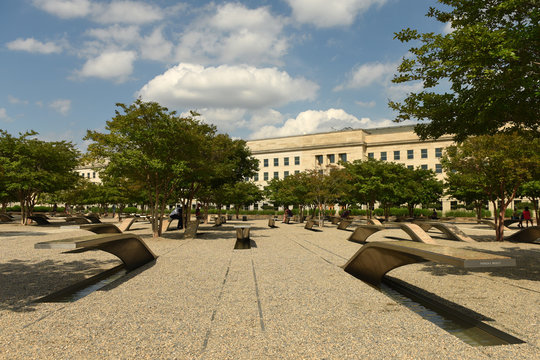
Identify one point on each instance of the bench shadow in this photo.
(23, 281)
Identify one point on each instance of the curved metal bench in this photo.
(343, 224)
(416, 233)
(450, 230)
(528, 235)
(129, 248)
(375, 259)
(362, 232)
(491, 223)
(101, 228)
(374, 221)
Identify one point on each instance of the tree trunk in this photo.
(499, 221)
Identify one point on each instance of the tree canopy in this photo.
(490, 63)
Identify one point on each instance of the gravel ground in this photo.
(286, 297)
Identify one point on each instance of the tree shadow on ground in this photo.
(527, 265)
(23, 281)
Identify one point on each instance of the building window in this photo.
(285, 174)
(88, 175)
(438, 168)
(286, 161)
(276, 161)
(423, 167)
(265, 162)
(321, 172)
(265, 176)
(256, 177)
(331, 158)
(256, 206)
(438, 152)
(276, 175)
(296, 172)
(319, 159)
(343, 157)
(410, 167)
(297, 160)
(423, 153)
(453, 205)
(397, 155)
(371, 155)
(383, 155)
(94, 175)
(410, 154)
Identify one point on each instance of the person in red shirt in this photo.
(525, 215)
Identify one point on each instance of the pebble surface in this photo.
(287, 298)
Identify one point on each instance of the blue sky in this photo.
(255, 69)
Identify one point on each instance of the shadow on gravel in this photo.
(24, 281)
(527, 265)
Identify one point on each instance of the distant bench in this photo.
(42, 220)
(109, 228)
(373, 260)
(129, 248)
(343, 224)
(362, 232)
(450, 230)
(310, 223)
(491, 223)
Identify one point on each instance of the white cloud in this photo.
(14, 100)
(155, 46)
(34, 46)
(226, 120)
(447, 28)
(66, 9)
(313, 121)
(367, 74)
(113, 65)
(126, 12)
(399, 91)
(366, 104)
(247, 87)
(231, 34)
(61, 105)
(114, 12)
(4, 116)
(324, 13)
(116, 34)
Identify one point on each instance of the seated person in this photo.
(177, 214)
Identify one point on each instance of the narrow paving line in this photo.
(220, 295)
(507, 283)
(313, 252)
(43, 317)
(320, 247)
(261, 318)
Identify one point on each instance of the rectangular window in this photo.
(343, 157)
(383, 155)
(276, 175)
(285, 174)
(256, 206)
(94, 175)
(397, 155)
(286, 161)
(297, 160)
(256, 177)
(438, 152)
(276, 161)
(371, 155)
(410, 167)
(453, 205)
(423, 167)
(265, 162)
(410, 154)
(331, 158)
(296, 172)
(438, 168)
(265, 176)
(88, 175)
(319, 159)
(423, 153)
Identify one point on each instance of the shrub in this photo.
(130, 210)
(42, 209)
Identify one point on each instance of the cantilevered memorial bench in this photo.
(362, 232)
(77, 220)
(242, 237)
(310, 223)
(272, 222)
(94, 219)
(416, 233)
(527, 235)
(5, 218)
(44, 221)
(102, 228)
(343, 224)
(373, 260)
(374, 221)
(129, 248)
(450, 230)
(491, 223)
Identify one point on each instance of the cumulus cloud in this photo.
(232, 33)
(34, 46)
(66, 9)
(113, 65)
(246, 87)
(313, 121)
(127, 12)
(447, 29)
(4, 116)
(226, 120)
(367, 74)
(155, 46)
(366, 104)
(399, 91)
(324, 13)
(61, 105)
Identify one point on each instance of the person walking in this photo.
(177, 214)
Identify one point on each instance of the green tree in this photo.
(501, 163)
(242, 193)
(490, 61)
(149, 145)
(531, 190)
(420, 187)
(33, 167)
(467, 188)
